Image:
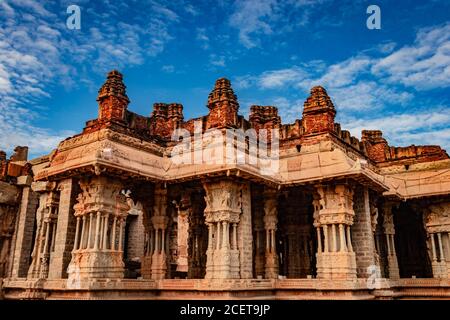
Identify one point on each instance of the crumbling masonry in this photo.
(109, 215)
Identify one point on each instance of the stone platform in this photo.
(173, 289)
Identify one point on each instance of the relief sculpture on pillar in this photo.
(100, 212)
(335, 257)
(222, 215)
(437, 223)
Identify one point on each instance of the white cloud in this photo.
(279, 78)
(203, 38)
(365, 85)
(248, 17)
(168, 68)
(217, 61)
(344, 73)
(255, 18)
(191, 10)
(367, 95)
(37, 50)
(423, 65)
(418, 128)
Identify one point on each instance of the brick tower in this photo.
(318, 112)
(223, 106)
(112, 98)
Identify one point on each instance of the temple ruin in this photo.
(109, 215)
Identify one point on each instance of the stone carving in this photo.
(100, 212)
(335, 256)
(437, 217)
(122, 150)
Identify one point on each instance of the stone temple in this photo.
(108, 214)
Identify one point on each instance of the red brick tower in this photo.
(112, 98)
(223, 106)
(318, 112)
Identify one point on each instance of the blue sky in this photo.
(396, 79)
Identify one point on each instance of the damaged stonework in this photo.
(111, 213)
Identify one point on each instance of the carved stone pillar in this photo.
(259, 233)
(24, 232)
(184, 213)
(333, 218)
(437, 223)
(145, 195)
(64, 237)
(9, 203)
(100, 211)
(270, 225)
(229, 253)
(160, 221)
(46, 220)
(389, 231)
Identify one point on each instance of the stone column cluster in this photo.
(222, 216)
(438, 228)
(101, 210)
(270, 225)
(333, 213)
(154, 262)
(389, 231)
(46, 221)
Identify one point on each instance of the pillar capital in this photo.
(437, 217)
(223, 201)
(388, 218)
(335, 204)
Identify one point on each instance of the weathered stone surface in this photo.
(337, 210)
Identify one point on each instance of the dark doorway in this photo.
(410, 243)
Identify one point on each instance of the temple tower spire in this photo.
(112, 98)
(223, 105)
(318, 112)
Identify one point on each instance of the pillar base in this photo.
(90, 264)
(394, 272)
(234, 261)
(259, 265)
(440, 269)
(209, 264)
(336, 265)
(222, 264)
(159, 266)
(146, 267)
(271, 266)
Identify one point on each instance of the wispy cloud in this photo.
(407, 128)
(217, 60)
(367, 85)
(168, 68)
(37, 50)
(255, 18)
(203, 38)
(423, 65)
